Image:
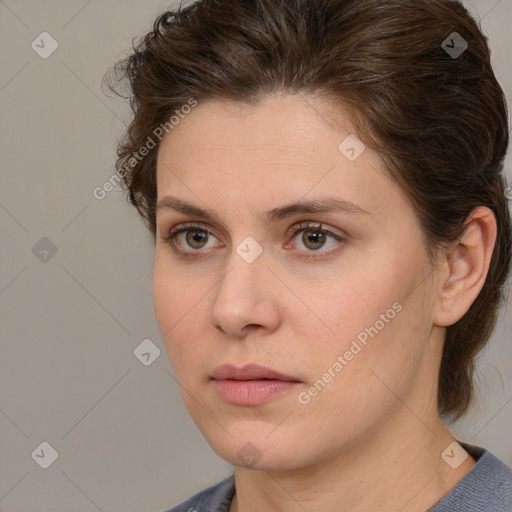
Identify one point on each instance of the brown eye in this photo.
(314, 239)
(191, 238)
(196, 239)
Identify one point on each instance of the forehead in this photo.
(277, 151)
(274, 125)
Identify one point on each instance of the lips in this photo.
(249, 372)
(251, 385)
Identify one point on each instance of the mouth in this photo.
(251, 385)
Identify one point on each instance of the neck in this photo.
(400, 467)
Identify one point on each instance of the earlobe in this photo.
(466, 263)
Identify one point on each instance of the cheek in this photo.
(384, 351)
(164, 298)
(363, 294)
(179, 310)
(361, 389)
(376, 311)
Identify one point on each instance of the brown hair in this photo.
(439, 120)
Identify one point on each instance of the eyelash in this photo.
(292, 232)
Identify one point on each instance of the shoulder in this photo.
(487, 487)
(216, 498)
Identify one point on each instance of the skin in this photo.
(372, 435)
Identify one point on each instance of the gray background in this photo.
(68, 374)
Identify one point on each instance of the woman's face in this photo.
(343, 315)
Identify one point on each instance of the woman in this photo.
(323, 181)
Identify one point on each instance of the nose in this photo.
(245, 298)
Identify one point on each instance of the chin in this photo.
(259, 451)
(252, 457)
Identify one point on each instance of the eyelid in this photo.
(305, 225)
(190, 225)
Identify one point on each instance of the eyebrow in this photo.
(324, 205)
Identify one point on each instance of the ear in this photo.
(463, 267)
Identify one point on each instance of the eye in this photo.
(195, 238)
(313, 237)
(190, 238)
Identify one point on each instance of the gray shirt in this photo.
(486, 488)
